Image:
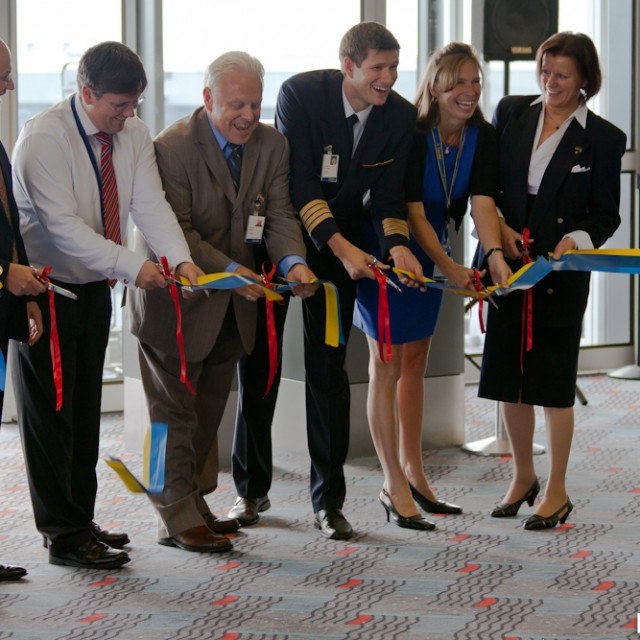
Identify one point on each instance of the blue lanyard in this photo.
(87, 144)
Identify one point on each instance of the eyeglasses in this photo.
(121, 107)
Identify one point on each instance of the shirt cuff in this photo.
(231, 267)
(288, 262)
(582, 239)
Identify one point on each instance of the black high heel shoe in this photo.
(506, 510)
(430, 506)
(536, 522)
(411, 522)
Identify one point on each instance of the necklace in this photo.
(554, 122)
(442, 170)
(444, 145)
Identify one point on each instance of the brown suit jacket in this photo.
(214, 218)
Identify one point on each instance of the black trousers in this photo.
(61, 447)
(252, 459)
(328, 394)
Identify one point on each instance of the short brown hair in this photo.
(580, 48)
(357, 42)
(111, 67)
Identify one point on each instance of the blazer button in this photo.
(550, 292)
(560, 220)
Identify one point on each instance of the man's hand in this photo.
(566, 244)
(249, 292)
(23, 280)
(191, 272)
(355, 261)
(302, 273)
(150, 276)
(403, 258)
(34, 317)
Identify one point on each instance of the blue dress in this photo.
(414, 314)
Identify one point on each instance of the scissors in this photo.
(480, 287)
(56, 289)
(374, 265)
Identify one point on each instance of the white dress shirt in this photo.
(58, 196)
(541, 156)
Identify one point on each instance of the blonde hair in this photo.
(442, 72)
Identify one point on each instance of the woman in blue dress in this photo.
(454, 157)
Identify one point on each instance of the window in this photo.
(287, 36)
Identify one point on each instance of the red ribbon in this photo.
(477, 283)
(526, 341)
(384, 322)
(54, 341)
(173, 290)
(272, 340)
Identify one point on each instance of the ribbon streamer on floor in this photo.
(155, 448)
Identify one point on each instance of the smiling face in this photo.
(234, 106)
(561, 82)
(372, 81)
(458, 104)
(110, 111)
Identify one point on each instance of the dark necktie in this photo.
(351, 122)
(234, 160)
(109, 195)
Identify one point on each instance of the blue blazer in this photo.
(580, 190)
(310, 112)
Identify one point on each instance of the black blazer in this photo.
(13, 315)
(310, 112)
(580, 190)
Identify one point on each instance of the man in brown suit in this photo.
(226, 176)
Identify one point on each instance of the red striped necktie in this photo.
(109, 195)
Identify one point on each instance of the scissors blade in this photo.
(387, 279)
(63, 292)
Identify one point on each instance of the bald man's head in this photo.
(6, 79)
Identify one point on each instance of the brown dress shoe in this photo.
(221, 525)
(200, 539)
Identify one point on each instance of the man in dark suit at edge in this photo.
(17, 319)
(341, 174)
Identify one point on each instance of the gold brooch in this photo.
(577, 150)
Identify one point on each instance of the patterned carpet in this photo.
(474, 577)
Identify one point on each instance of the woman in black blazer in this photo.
(559, 190)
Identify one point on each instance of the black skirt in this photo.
(546, 375)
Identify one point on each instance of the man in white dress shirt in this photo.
(73, 218)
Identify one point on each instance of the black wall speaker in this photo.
(514, 29)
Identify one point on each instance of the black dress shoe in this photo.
(537, 522)
(11, 572)
(333, 524)
(405, 522)
(92, 554)
(221, 525)
(431, 506)
(247, 510)
(199, 539)
(506, 510)
(114, 540)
